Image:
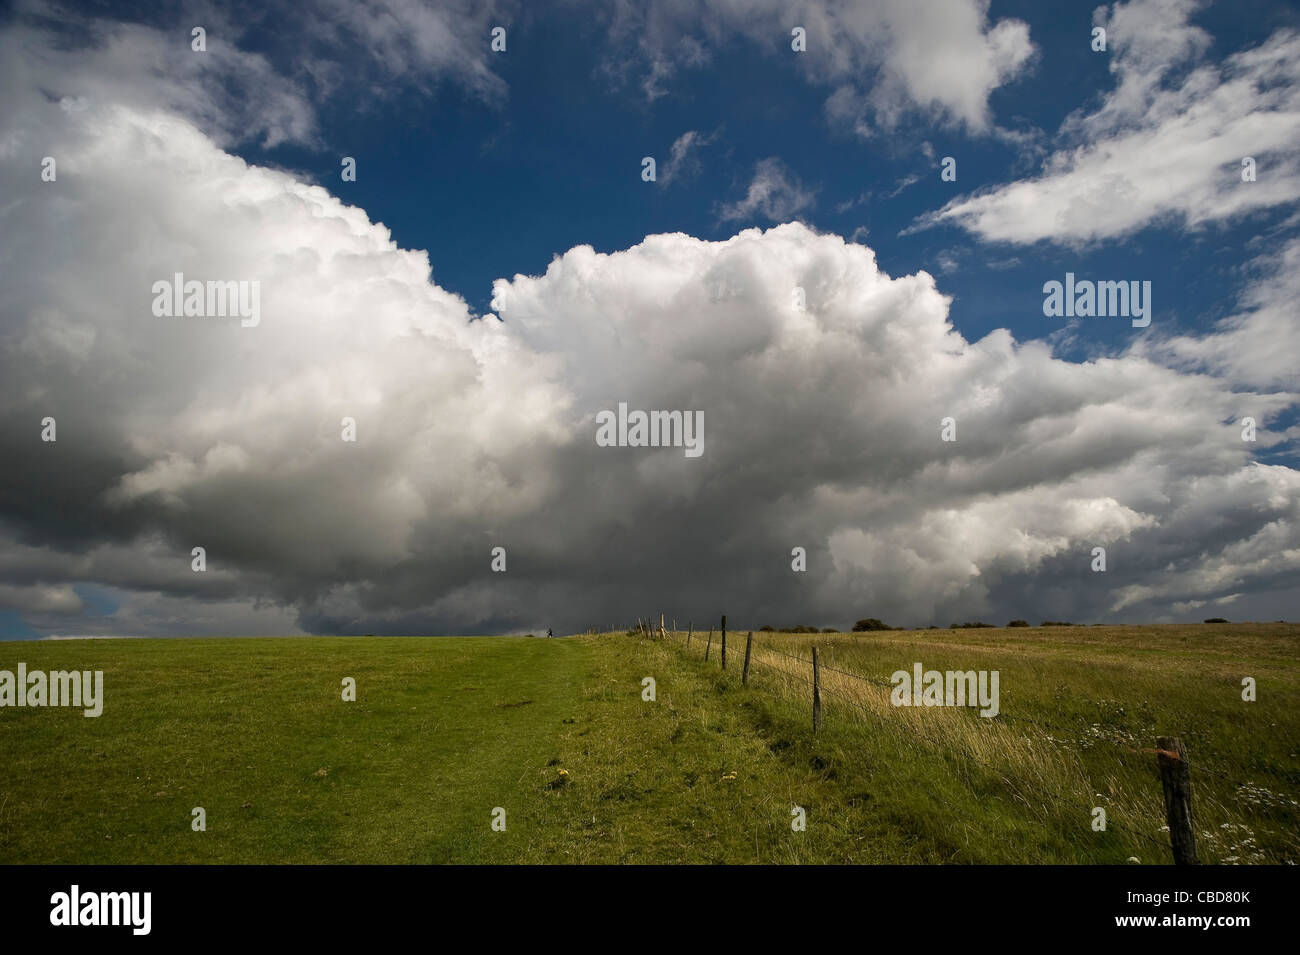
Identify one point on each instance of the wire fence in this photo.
(800, 670)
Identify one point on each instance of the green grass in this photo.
(556, 732)
(441, 733)
(1081, 708)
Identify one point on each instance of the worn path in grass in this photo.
(444, 730)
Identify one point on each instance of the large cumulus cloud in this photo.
(823, 431)
(822, 425)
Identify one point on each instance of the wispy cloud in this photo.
(683, 158)
(774, 193)
(881, 61)
(1166, 144)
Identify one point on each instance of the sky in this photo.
(841, 261)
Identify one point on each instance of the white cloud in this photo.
(1271, 551)
(321, 49)
(1164, 146)
(57, 599)
(938, 56)
(825, 429)
(775, 194)
(683, 159)
(882, 60)
(1257, 346)
(233, 94)
(208, 421)
(409, 41)
(821, 426)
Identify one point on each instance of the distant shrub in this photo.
(829, 630)
(767, 630)
(977, 625)
(933, 627)
(1056, 623)
(1216, 620)
(1018, 623)
(870, 623)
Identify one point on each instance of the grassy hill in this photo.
(445, 730)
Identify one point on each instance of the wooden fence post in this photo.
(690, 630)
(724, 641)
(708, 645)
(817, 694)
(744, 676)
(1176, 780)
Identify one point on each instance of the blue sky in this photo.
(491, 190)
(1115, 165)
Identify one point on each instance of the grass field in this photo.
(444, 730)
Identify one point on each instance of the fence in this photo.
(1172, 761)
